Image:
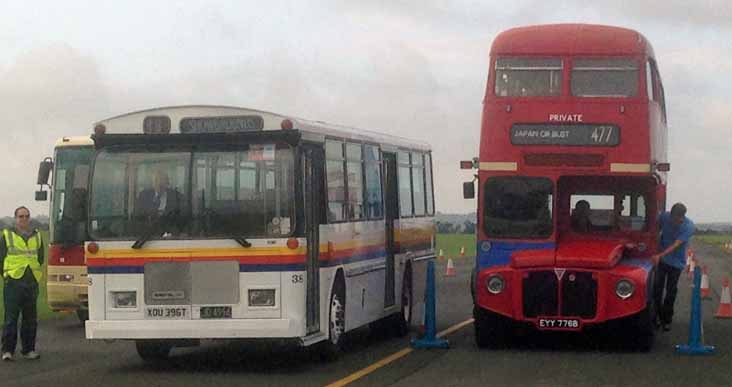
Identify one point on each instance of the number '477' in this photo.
(602, 134)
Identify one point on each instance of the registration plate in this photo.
(560, 324)
(166, 312)
(215, 312)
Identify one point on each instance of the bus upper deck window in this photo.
(614, 77)
(528, 77)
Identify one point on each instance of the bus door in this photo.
(391, 200)
(313, 162)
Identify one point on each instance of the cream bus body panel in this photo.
(285, 319)
(63, 294)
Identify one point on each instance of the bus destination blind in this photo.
(565, 134)
(221, 124)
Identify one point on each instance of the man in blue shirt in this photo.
(676, 232)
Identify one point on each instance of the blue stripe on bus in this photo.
(499, 253)
(641, 263)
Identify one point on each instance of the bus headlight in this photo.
(125, 299)
(495, 284)
(66, 278)
(261, 297)
(624, 289)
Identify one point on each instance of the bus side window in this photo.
(336, 181)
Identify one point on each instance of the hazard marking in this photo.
(559, 273)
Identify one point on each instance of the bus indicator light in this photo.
(286, 124)
(292, 243)
(92, 248)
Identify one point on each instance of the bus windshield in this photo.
(69, 195)
(518, 207)
(192, 193)
(528, 77)
(617, 77)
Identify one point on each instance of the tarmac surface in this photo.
(537, 360)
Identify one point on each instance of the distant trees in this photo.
(467, 227)
(41, 224)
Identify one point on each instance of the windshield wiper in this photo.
(242, 241)
(147, 235)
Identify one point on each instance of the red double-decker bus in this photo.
(571, 178)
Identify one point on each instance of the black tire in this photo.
(403, 319)
(153, 350)
(644, 324)
(491, 329)
(334, 345)
(82, 314)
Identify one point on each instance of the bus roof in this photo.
(570, 39)
(312, 130)
(74, 141)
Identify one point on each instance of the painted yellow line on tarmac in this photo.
(392, 358)
(455, 327)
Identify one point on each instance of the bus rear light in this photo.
(100, 129)
(663, 167)
(286, 124)
(92, 248)
(292, 243)
(466, 164)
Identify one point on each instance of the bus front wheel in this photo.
(333, 346)
(82, 314)
(153, 350)
(491, 329)
(404, 317)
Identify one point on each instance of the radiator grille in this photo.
(186, 283)
(579, 294)
(541, 294)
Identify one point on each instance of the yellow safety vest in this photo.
(21, 255)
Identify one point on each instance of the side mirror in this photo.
(44, 171)
(41, 196)
(468, 190)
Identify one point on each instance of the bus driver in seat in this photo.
(160, 199)
(581, 217)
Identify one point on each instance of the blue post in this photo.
(695, 346)
(430, 340)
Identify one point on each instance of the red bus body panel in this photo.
(598, 258)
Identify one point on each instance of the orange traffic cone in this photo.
(725, 302)
(450, 271)
(706, 292)
(462, 251)
(440, 256)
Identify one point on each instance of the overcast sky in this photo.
(410, 68)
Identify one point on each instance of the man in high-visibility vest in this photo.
(21, 256)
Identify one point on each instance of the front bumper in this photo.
(194, 329)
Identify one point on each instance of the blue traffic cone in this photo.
(430, 339)
(695, 346)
